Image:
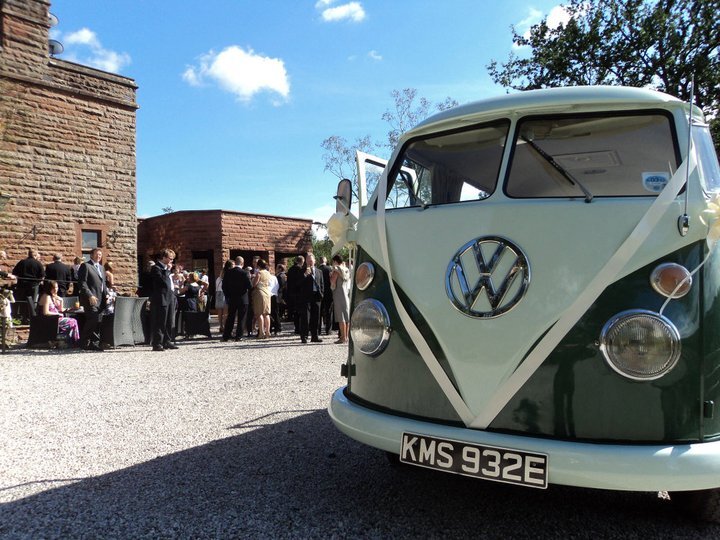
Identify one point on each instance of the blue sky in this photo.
(236, 96)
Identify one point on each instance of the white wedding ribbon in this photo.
(418, 340)
(558, 331)
(585, 299)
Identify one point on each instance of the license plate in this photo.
(479, 461)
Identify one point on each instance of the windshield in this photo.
(450, 167)
(708, 161)
(590, 156)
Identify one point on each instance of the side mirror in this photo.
(343, 199)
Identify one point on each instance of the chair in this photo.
(124, 326)
(140, 329)
(196, 322)
(44, 329)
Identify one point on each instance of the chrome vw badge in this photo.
(487, 277)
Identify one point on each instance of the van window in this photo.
(708, 161)
(447, 168)
(597, 156)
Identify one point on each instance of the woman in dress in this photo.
(220, 303)
(340, 285)
(109, 277)
(191, 291)
(261, 299)
(51, 304)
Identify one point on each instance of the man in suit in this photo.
(162, 302)
(236, 285)
(92, 292)
(60, 272)
(29, 272)
(326, 304)
(309, 299)
(294, 278)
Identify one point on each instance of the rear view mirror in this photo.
(343, 199)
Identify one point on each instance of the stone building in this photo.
(67, 149)
(207, 238)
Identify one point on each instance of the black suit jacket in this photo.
(91, 282)
(162, 293)
(326, 269)
(311, 286)
(294, 280)
(29, 268)
(60, 272)
(236, 284)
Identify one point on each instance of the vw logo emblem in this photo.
(487, 277)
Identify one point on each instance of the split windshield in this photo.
(452, 167)
(568, 156)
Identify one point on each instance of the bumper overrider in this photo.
(683, 467)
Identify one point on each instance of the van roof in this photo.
(545, 101)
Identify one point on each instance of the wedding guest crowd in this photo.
(249, 301)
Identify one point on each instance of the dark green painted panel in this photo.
(397, 379)
(576, 395)
(711, 340)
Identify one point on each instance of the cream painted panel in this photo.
(566, 242)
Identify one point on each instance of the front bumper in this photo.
(605, 466)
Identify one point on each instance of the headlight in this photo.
(640, 345)
(364, 275)
(370, 327)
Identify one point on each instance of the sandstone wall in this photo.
(67, 149)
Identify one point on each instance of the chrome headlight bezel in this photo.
(355, 326)
(626, 317)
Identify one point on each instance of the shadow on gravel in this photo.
(299, 477)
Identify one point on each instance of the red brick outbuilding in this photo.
(207, 238)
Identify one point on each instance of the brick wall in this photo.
(67, 149)
(223, 231)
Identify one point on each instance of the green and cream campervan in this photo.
(536, 295)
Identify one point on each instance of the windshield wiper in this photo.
(559, 168)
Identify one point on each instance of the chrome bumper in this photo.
(603, 466)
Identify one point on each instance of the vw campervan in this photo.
(536, 295)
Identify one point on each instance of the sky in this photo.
(236, 96)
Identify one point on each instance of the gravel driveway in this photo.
(226, 440)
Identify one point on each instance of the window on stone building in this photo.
(90, 240)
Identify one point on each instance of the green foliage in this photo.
(647, 43)
(323, 248)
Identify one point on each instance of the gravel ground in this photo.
(226, 440)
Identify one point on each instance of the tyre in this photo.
(703, 505)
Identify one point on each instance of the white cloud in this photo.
(240, 72)
(352, 11)
(375, 55)
(558, 16)
(97, 56)
(84, 36)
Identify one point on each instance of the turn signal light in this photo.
(671, 280)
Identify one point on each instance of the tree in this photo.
(660, 44)
(408, 113)
(322, 247)
(408, 110)
(339, 157)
